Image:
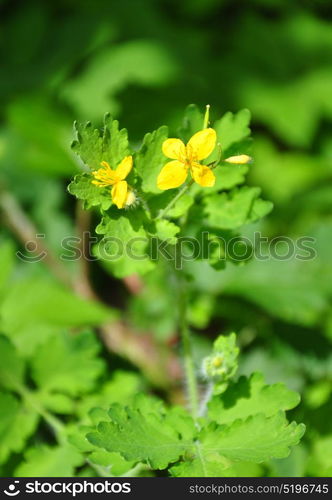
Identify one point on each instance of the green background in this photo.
(144, 61)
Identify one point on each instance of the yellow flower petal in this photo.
(239, 159)
(123, 169)
(119, 193)
(172, 175)
(201, 144)
(203, 175)
(175, 149)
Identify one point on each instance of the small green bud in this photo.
(222, 364)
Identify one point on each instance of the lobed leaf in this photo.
(145, 433)
(166, 231)
(91, 195)
(232, 133)
(123, 249)
(249, 396)
(94, 146)
(233, 210)
(48, 461)
(17, 423)
(68, 363)
(150, 159)
(12, 367)
(256, 439)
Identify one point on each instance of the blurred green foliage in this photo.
(144, 61)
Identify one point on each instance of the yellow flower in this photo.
(187, 158)
(122, 195)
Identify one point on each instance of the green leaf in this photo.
(7, 264)
(91, 195)
(320, 461)
(11, 366)
(259, 209)
(203, 467)
(192, 122)
(249, 396)
(295, 465)
(256, 439)
(181, 207)
(232, 133)
(159, 202)
(229, 176)
(145, 433)
(113, 67)
(113, 463)
(17, 423)
(115, 142)
(94, 146)
(35, 304)
(166, 231)
(240, 206)
(295, 122)
(288, 175)
(121, 388)
(88, 145)
(123, 249)
(47, 461)
(150, 159)
(68, 363)
(40, 128)
(56, 403)
(296, 296)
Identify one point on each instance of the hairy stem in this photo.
(187, 351)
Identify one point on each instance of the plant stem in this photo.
(187, 351)
(99, 469)
(21, 225)
(146, 207)
(55, 424)
(163, 212)
(135, 471)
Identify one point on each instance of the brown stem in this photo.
(154, 359)
(26, 232)
(134, 284)
(82, 284)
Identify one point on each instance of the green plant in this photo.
(228, 422)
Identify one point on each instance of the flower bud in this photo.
(222, 364)
(239, 159)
